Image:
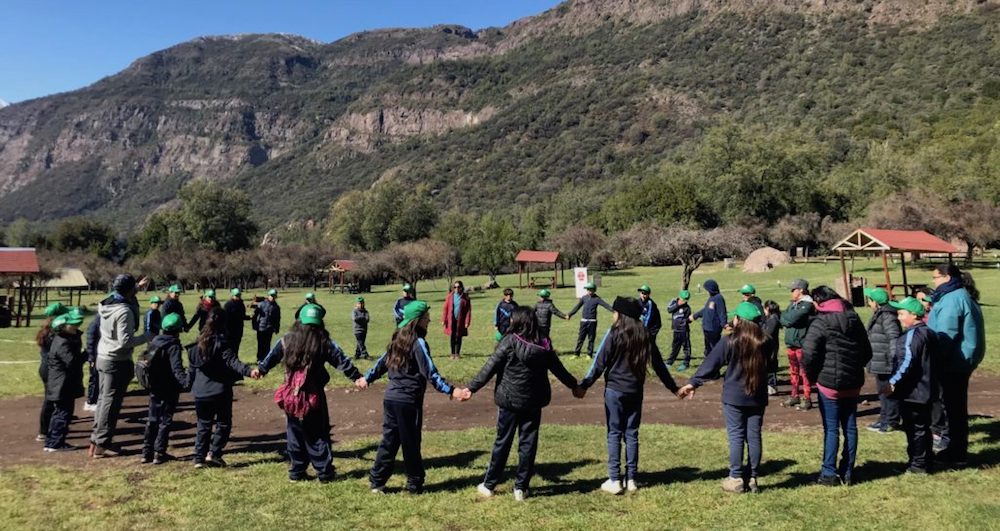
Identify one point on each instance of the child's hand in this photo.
(255, 374)
(579, 392)
(686, 392)
(361, 383)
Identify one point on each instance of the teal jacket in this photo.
(958, 322)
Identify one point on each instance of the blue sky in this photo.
(49, 46)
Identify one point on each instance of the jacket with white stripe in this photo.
(408, 383)
(914, 363)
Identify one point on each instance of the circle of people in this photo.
(920, 350)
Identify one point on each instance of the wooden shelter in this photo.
(338, 274)
(885, 242)
(68, 279)
(524, 260)
(20, 262)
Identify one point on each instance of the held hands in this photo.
(461, 394)
(361, 383)
(686, 392)
(888, 390)
(579, 392)
(255, 374)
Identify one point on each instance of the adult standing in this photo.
(650, 312)
(456, 316)
(544, 311)
(266, 321)
(588, 320)
(119, 314)
(713, 316)
(795, 320)
(883, 331)
(173, 303)
(409, 295)
(236, 313)
(835, 351)
(957, 320)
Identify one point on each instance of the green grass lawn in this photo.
(21, 378)
(680, 469)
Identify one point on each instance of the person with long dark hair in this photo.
(772, 326)
(744, 393)
(408, 363)
(44, 341)
(65, 378)
(623, 358)
(305, 350)
(213, 369)
(521, 362)
(835, 351)
(456, 316)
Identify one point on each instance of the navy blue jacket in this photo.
(610, 363)
(333, 354)
(267, 316)
(503, 314)
(397, 310)
(215, 376)
(713, 315)
(409, 383)
(915, 365)
(169, 378)
(170, 306)
(360, 320)
(733, 392)
(236, 314)
(589, 303)
(679, 314)
(151, 324)
(651, 317)
(93, 337)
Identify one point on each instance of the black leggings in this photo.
(456, 339)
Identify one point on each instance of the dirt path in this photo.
(259, 426)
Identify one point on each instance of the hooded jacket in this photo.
(958, 322)
(167, 376)
(883, 331)
(65, 362)
(522, 371)
(835, 349)
(119, 322)
(795, 320)
(208, 378)
(713, 315)
(170, 306)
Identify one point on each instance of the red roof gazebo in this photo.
(21, 262)
(891, 241)
(524, 260)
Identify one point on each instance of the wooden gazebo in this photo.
(339, 271)
(885, 242)
(20, 262)
(524, 260)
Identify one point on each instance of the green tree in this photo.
(20, 234)
(491, 245)
(216, 217)
(84, 234)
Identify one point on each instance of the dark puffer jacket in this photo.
(522, 371)
(835, 349)
(883, 331)
(65, 362)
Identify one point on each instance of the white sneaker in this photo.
(772, 390)
(631, 485)
(90, 407)
(612, 486)
(520, 495)
(378, 491)
(484, 490)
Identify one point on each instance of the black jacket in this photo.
(409, 383)
(65, 361)
(679, 314)
(522, 371)
(915, 365)
(236, 314)
(617, 373)
(651, 317)
(883, 331)
(216, 375)
(544, 311)
(771, 327)
(201, 314)
(835, 350)
(170, 306)
(167, 375)
(43, 353)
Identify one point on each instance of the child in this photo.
(501, 321)
(680, 312)
(65, 378)
(650, 312)
(744, 393)
(305, 349)
(214, 368)
(153, 319)
(44, 341)
(771, 326)
(914, 383)
(883, 331)
(207, 304)
(522, 362)
(588, 321)
(713, 317)
(544, 311)
(359, 316)
(623, 359)
(408, 362)
(167, 378)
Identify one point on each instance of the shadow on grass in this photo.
(459, 460)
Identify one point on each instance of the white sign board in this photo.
(579, 280)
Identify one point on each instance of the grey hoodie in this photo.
(119, 322)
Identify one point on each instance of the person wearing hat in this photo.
(167, 378)
(65, 379)
(236, 314)
(410, 367)
(266, 321)
(119, 314)
(44, 341)
(650, 312)
(544, 310)
(713, 316)
(173, 303)
(505, 310)
(626, 352)
(310, 299)
(207, 304)
(456, 316)
(744, 393)
(749, 294)
(151, 323)
(883, 331)
(409, 295)
(680, 320)
(588, 319)
(914, 382)
(795, 321)
(360, 318)
(308, 432)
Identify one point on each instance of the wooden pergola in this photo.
(885, 242)
(338, 275)
(524, 260)
(21, 262)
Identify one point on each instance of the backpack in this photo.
(295, 396)
(145, 364)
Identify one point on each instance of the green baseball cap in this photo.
(879, 295)
(684, 294)
(644, 289)
(747, 311)
(590, 286)
(172, 323)
(408, 288)
(175, 288)
(155, 300)
(210, 293)
(748, 289)
(272, 292)
(310, 296)
(55, 309)
(497, 336)
(909, 304)
(311, 314)
(360, 299)
(235, 292)
(544, 293)
(413, 310)
(72, 317)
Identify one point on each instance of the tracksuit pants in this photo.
(62, 415)
(402, 424)
(215, 423)
(525, 424)
(309, 443)
(158, 423)
(360, 349)
(263, 344)
(588, 331)
(682, 340)
(919, 442)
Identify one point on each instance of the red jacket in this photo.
(464, 320)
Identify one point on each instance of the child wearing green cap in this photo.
(409, 295)
(153, 318)
(65, 377)
(44, 341)
(650, 312)
(359, 317)
(310, 298)
(266, 321)
(207, 304)
(883, 331)
(167, 378)
(588, 320)
(680, 320)
(173, 303)
(544, 310)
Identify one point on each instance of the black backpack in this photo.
(147, 363)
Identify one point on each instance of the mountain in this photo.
(3, 103)
(587, 91)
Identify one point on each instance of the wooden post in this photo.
(902, 263)
(885, 268)
(843, 271)
(520, 281)
(20, 300)
(31, 301)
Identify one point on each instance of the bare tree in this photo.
(578, 244)
(793, 230)
(692, 247)
(411, 262)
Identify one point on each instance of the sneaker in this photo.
(829, 481)
(731, 484)
(944, 463)
(100, 452)
(804, 405)
(520, 495)
(199, 464)
(875, 427)
(682, 367)
(146, 459)
(772, 390)
(612, 486)
(631, 485)
(379, 490)
(215, 461)
(792, 401)
(63, 448)
(162, 458)
(939, 446)
(752, 486)
(90, 407)
(484, 491)
(889, 428)
(40, 437)
(914, 471)
(300, 479)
